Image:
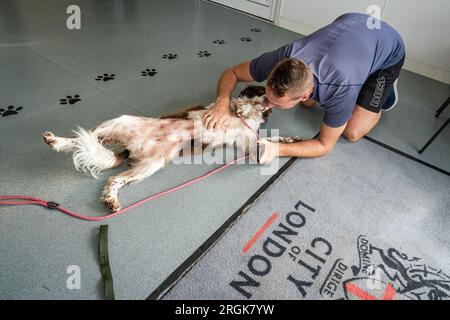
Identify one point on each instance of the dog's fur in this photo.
(151, 143)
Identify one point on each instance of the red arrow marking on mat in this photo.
(259, 233)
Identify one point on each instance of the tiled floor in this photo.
(41, 62)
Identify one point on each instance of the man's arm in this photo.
(317, 147)
(231, 77)
(219, 115)
(338, 113)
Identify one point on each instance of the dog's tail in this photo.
(90, 155)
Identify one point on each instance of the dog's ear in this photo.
(266, 114)
(253, 91)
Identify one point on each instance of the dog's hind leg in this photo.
(120, 158)
(60, 144)
(139, 171)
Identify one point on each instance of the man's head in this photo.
(289, 82)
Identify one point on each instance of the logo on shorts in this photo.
(379, 90)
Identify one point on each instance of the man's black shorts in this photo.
(377, 88)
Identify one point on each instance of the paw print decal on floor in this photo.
(9, 111)
(219, 41)
(203, 53)
(106, 77)
(170, 56)
(70, 99)
(247, 39)
(149, 72)
(255, 30)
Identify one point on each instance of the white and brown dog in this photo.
(151, 143)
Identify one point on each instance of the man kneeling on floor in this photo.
(347, 67)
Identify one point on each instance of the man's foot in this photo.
(392, 100)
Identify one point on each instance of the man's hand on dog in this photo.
(218, 117)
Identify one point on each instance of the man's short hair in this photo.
(291, 75)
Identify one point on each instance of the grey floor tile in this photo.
(119, 56)
(173, 88)
(35, 85)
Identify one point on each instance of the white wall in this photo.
(310, 15)
(424, 26)
(259, 8)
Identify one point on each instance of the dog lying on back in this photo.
(151, 143)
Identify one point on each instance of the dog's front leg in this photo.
(247, 144)
(284, 139)
(138, 171)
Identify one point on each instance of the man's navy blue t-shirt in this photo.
(341, 56)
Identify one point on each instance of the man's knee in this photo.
(353, 135)
(360, 124)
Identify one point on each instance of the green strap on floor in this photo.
(104, 263)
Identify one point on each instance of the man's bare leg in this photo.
(361, 123)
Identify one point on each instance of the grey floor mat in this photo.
(362, 223)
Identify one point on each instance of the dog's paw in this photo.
(111, 203)
(49, 138)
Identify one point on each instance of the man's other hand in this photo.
(271, 150)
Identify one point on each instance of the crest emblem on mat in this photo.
(387, 274)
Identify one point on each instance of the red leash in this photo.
(4, 200)
(251, 129)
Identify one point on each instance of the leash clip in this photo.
(52, 205)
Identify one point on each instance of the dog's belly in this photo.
(234, 132)
(150, 137)
(157, 137)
